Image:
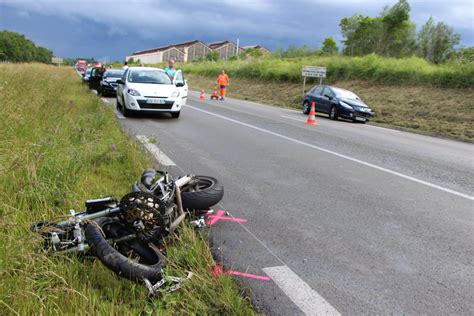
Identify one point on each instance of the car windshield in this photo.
(345, 94)
(149, 76)
(114, 73)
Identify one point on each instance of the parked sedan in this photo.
(108, 85)
(337, 102)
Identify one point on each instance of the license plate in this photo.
(156, 101)
(362, 119)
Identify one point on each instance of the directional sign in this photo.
(57, 60)
(314, 71)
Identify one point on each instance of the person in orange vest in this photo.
(223, 82)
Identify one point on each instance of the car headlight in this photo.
(346, 106)
(135, 93)
(106, 83)
(175, 94)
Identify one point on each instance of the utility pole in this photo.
(238, 46)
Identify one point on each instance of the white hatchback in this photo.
(151, 90)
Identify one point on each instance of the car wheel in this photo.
(125, 111)
(306, 107)
(333, 113)
(175, 114)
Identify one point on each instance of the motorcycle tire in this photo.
(206, 193)
(119, 263)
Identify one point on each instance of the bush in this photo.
(404, 71)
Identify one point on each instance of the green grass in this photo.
(373, 68)
(421, 109)
(60, 146)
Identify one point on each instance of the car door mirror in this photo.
(180, 84)
(328, 96)
(120, 81)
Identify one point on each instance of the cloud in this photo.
(152, 23)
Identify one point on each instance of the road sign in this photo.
(314, 72)
(57, 60)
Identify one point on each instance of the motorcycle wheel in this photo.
(206, 193)
(149, 266)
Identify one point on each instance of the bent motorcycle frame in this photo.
(77, 220)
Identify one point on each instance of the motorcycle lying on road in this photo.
(125, 235)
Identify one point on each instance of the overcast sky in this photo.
(115, 28)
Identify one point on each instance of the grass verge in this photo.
(59, 147)
(422, 109)
(373, 68)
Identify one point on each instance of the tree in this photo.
(436, 41)
(390, 34)
(329, 46)
(16, 48)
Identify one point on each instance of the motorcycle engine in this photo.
(144, 213)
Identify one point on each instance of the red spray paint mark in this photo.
(220, 215)
(218, 270)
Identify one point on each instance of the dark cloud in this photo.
(113, 29)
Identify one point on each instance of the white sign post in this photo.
(313, 72)
(57, 60)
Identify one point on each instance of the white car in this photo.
(151, 90)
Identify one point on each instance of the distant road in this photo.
(356, 218)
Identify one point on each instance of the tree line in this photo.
(15, 47)
(390, 34)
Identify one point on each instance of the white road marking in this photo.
(156, 152)
(307, 299)
(294, 111)
(429, 184)
(105, 100)
(119, 115)
(292, 118)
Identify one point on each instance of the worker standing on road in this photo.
(125, 66)
(223, 82)
(170, 70)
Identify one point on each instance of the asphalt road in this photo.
(374, 220)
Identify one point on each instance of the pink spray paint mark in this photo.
(218, 270)
(220, 215)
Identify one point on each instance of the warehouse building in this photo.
(182, 52)
(226, 49)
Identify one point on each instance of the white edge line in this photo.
(292, 118)
(155, 151)
(105, 100)
(299, 292)
(429, 184)
(119, 115)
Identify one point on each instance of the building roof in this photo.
(219, 44)
(255, 47)
(179, 46)
(152, 50)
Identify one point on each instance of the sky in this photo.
(112, 29)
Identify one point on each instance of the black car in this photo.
(108, 85)
(337, 102)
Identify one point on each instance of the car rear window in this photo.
(113, 73)
(317, 90)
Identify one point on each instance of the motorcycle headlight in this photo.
(175, 94)
(135, 93)
(346, 106)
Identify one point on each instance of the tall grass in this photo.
(406, 71)
(60, 145)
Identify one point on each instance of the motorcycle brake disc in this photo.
(142, 212)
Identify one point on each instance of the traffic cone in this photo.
(214, 95)
(312, 116)
(202, 96)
